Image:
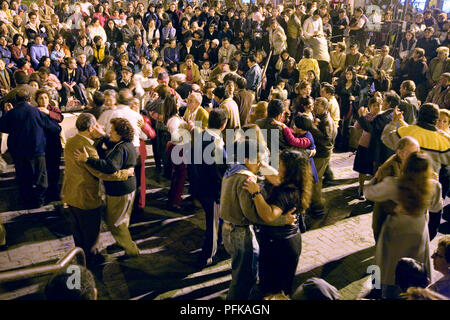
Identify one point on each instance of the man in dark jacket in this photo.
(428, 43)
(324, 132)
(26, 127)
(275, 111)
(206, 179)
(85, 67)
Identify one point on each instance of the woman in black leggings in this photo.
(280, 247)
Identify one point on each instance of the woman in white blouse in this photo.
(150, 33)
(179, 136)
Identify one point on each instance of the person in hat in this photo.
(126, 79)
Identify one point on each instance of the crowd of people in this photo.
(248, 104)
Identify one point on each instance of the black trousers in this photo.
(343, 137)
(156, 154)
(31, 175)
(53, 161)
(85, 226)
(213, 229)
(137, 174)
(278, 260)
(433, 223)
(162, 138)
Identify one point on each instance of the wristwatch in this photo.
(253, 195)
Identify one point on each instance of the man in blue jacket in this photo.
(26, 127)
(85, 67)
(254, 74)
(137, 49)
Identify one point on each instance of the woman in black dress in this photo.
(347, 89)
(280, 247)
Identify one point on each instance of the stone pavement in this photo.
(338, 248)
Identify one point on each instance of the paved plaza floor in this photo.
(338, 248)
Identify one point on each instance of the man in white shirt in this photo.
(313, 27)
(123, 111)
(315, 38)
(357, 32)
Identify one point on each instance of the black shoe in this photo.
(361, 195)
(316, 214)
(173, 207)
(202, 263)
(4, 247)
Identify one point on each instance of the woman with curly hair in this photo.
(405, 233)
(120, 154)
(280, 246)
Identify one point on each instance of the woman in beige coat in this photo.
(405, 233)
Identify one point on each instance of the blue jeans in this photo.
(240, 242)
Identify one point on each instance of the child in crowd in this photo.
(206, 70)
(208, 101)
(301, 137)
(57, 55)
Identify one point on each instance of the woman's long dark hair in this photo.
(414, 185)
(297, 165)
(169, 108)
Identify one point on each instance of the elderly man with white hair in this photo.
(144, 83)
(136, 120)
(195, 115)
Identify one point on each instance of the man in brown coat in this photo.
(80, 189)
(244, 99)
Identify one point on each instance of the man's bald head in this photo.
(406, 146)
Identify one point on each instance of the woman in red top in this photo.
(18, 50)
(101, 15)
(54, 148)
